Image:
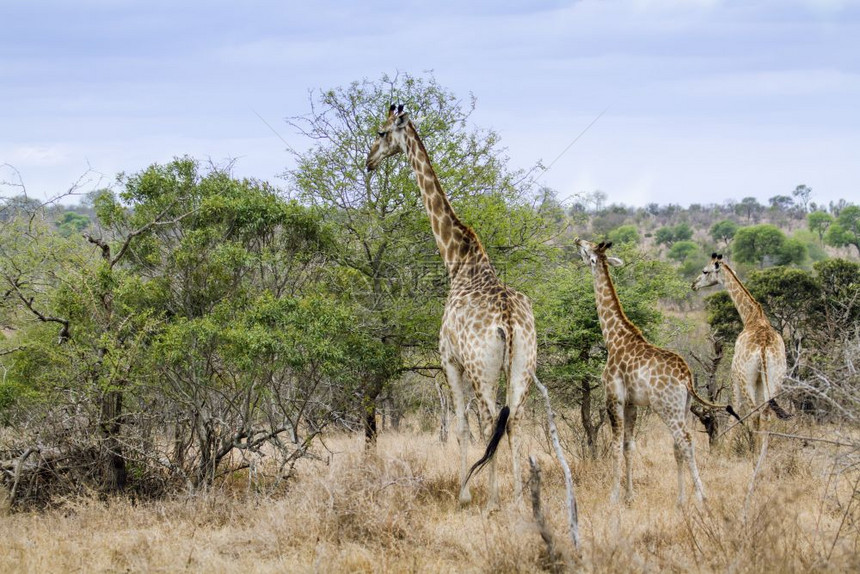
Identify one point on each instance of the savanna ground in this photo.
(397, 511)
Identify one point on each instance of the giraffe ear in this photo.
(614, 261)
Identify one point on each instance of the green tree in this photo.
(724, 231)
(72, 222)
(681, 250)
(750, 208)
(814, 248)
(241, 351)
(758, 244)
(839, 282)
(199, 314)
(782, 203)
(793, 252)
(387, 258)
(802, 193)
(846, 229)
(819, 221)
(670, 234)
(624, 234)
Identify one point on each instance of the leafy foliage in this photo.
(724, 231)
(671, 234)
(819, 221)
(625, 234)
(846, 229)
(759, 244)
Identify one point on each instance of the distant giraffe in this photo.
(487, 327)
(638, 373)
(758, 365)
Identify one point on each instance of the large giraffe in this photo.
(487, 327)
(637, 374)
(758, 365)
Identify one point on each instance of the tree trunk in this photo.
(115, 474)
(368, 403)
(710, 365)
(114, 471)
(585, 414)
(370, 430)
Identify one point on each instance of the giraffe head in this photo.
(711, 274)
(592, 253)
(391, 137)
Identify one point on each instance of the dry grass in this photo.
(398, 512)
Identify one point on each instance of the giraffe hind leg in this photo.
(454, 374)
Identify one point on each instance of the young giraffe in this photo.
(638, 373)
(758, 365)
(486, 326)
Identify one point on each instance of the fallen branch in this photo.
(540, 519)
(18, 468)
(572, 515)
(809, 438)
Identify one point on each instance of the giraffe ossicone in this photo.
(639, 374)
(487, 328)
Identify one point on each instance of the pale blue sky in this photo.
(707, 100)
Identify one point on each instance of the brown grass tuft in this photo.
(397, 511)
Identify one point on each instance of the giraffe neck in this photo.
(614, 323)
(748, 308)
(458, 244)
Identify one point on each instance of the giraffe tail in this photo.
(728, 408)
(493, 445)
(780, 412)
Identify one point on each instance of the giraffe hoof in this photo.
(465, 497)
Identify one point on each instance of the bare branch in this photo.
(572, 514)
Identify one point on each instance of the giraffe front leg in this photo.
(629, 446)
(615, 410)
(455, 380)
